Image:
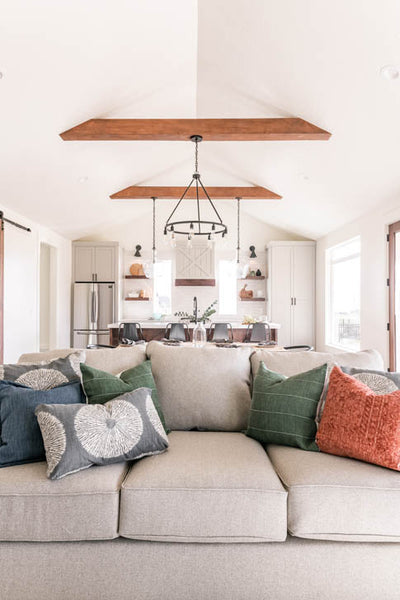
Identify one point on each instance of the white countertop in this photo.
(162, 324)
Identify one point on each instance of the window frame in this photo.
(329, 288)
(393, 229)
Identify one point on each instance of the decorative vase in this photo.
(199, 335)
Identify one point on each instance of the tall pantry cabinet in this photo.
(291, 291)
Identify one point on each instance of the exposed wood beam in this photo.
(140, 192)
(283, 129)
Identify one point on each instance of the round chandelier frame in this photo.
(196, 226)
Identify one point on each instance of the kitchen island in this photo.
(155, 330)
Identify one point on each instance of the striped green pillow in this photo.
(283, 408)
(100, 386)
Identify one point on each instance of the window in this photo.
(227, 304)
(162, 287)
(343, 295)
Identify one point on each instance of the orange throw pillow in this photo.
(360, 424)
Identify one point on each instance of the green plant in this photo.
(210, 310)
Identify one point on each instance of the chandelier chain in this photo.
(196, 157)
(238, 231)
(154, 229)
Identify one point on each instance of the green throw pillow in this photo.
(283, 408)
(100, 386)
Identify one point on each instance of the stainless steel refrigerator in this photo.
(93, 311)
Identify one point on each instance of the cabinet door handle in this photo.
(295, 301)
(291, 301)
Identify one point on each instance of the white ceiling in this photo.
(67, 61)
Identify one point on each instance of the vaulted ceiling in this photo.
(68, 61)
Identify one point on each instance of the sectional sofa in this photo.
(217, 516)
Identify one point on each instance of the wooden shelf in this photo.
(136, 277)
(260, 278)
(252, 299)
(137, 299)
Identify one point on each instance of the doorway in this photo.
(48, 297)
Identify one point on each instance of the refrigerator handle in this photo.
(92, 319)
(96, 308)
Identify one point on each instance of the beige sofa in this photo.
(215, 517)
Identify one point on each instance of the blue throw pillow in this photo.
(20, 437)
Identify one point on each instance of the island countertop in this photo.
(152, 324)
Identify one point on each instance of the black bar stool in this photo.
(220, 332)
(178, 332)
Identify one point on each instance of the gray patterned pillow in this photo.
(380, 382)
(45, 375)
(76, 437)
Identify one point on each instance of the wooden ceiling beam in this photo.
(139, 192)
(225, 130)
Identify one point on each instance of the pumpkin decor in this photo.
(245, 293)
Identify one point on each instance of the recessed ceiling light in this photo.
(83, 179)
(390, 72)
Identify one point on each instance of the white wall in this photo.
(139, 231)
(22, 287)
(372, 228)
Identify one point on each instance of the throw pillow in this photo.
(283, 408)
(101, 386)
(45, 375)
(360, 424)
(380, 382)
(77, 437)
(20, 438)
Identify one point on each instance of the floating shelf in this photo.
(136, 277)
(255, 278)
(137, 299)
(252, 299)
(195, 282)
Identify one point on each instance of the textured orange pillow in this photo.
(360, 424)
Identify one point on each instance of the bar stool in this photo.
(129, 333)
(258, 332)
(178, 332)
(220, 332)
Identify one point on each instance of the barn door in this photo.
(195, 265)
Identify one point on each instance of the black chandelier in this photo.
(196, 226)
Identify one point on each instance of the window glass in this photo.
(227, 303)
(343, 294)
(162, 286)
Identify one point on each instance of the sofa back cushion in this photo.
(112, 360)
(292, 363)
(203, 388)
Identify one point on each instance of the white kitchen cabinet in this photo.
(95, 261)
(291, 291)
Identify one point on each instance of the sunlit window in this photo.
(162, 286)
(227, 304)
(343, 295)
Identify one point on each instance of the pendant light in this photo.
(195, 226)
(239, 268)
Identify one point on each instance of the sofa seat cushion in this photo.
(81, 507)
(208, 487)
(336, 498)
(204, 388)
(112, 360)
